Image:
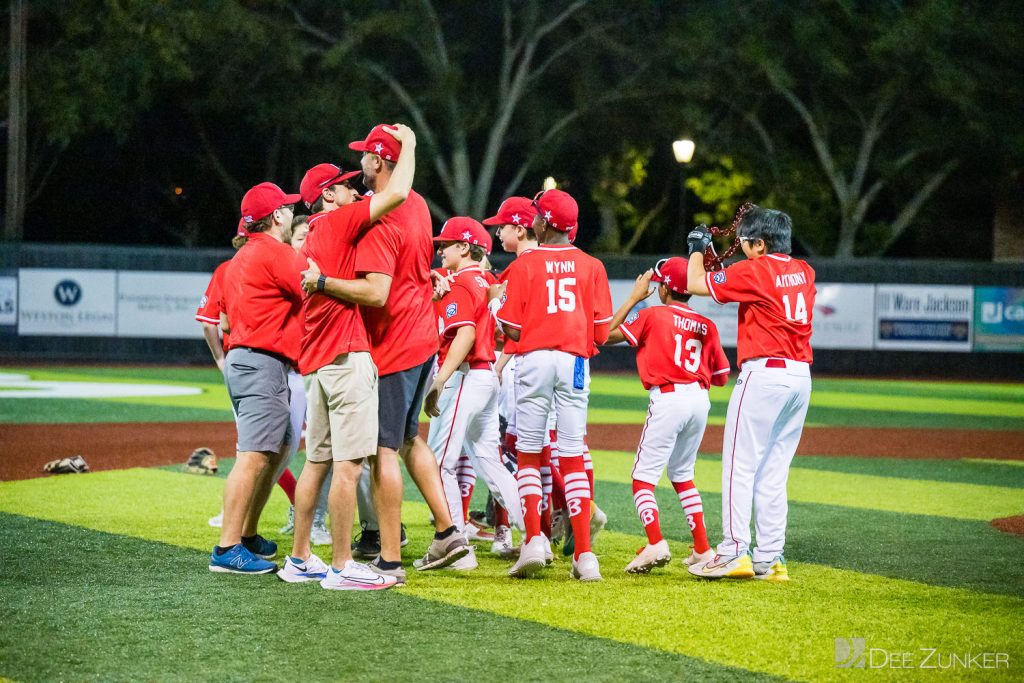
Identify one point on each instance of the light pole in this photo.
(683, 151)
(549, 183)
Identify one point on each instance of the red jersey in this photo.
(332, 326)
(466, 304)
(776, 297)
(676, 345)
(262, 297)
(554, 296)
(402, 332)
(210, 305)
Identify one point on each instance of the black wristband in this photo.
(321, 282)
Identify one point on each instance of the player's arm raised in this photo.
(641, 290)
(697, 241)
(400, 184)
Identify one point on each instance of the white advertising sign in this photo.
(844, 317)
(724, 317)
(8, 300)
(65, 302)
(923, 317)
(159, 304)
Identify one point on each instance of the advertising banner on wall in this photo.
(159, 304)
(8, 300)
(999, 319)
(844, 317)
(66, 302)
(923, 317)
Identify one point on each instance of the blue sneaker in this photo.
(260, 547)
(238, 560)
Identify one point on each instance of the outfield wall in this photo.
(875, 317)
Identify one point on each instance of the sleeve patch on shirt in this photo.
(205, 300)
(451, 310)
(632, 317)
(719, 277)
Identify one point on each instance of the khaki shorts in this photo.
(342, 404)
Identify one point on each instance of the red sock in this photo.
(693, 508)
(577, 500)
(287, 484)
(588, 465)
(647, 508)
(530, 491)
(500, 515)
(545, 483)
(466, 476)
(510, 443)
(557, 488)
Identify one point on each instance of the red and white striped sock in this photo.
(693, 508)
(545, 483)
(577, 500)
(530, 492)
(466, 476)
(647, 508)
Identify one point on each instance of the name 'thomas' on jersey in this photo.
(676, 345)
(776, 298)
(555, 295)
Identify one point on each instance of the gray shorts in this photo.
(401, 398)
(258, 386)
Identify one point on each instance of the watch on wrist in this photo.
(321, 282)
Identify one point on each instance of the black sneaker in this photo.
(366, 544)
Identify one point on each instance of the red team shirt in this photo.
(333, 327)
(210, 305)
(676, 345)
(776, 297)
(562, 316)
(402, 332)
(262, 297)
(466, 304)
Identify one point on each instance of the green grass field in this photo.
(106, 573)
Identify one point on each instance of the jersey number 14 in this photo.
(799, 312)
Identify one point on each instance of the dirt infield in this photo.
(108, 446)
(1010, 525)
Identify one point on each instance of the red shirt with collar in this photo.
(262, 297)
(676, 345)
(776, 297)
(554, 296)
(402, 332)
(466, 304)
(332, 327)
(210, 305)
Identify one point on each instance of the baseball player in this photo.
(263, 300)
(769, 402)
(678, 355)
(462, 399)
(557, 306)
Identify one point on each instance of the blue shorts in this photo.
(401, 398)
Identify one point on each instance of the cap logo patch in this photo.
(468, 236)
(451, 310)
(719, 277)
(378, 148)
(515, 218)
(547, 216)
(247, 219)
(667, 279)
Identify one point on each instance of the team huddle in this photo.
(350, 333)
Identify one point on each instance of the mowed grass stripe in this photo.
(861, 491)
(785, 630)
(75, 411)
(128, 609)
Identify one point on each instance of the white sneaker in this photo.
(598, 520)
(502, 545)
(478, 533)
(733, 567)
(466, 563)
(532, 558)
(320, 534)
(216, 522)
(356, 577)
(698, 558)
(586, 568)
(649, 557)
(298, 571)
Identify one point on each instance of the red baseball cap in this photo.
(242, 232)
(319, 177)
(464, 229)
(514, 211)
(262, 200)
(557, 208)
(671, 272)
(380, 143)
(573, 231)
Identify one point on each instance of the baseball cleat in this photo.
(772, 570)
(319, 534)
(502, 545)
(289, 527)
(649, 557)
(443, 552)
(598, 520)
(260, 547)
(301, 571)
(356, 577)
(586, 568)
(559, 520)
(238, 560)
(532, 558)
(465, 563)
(697, 558)
(475, 532)
(718, 567)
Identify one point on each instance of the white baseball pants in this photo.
(469, 424)
(762, 430)
(672, 433)
(552, 382)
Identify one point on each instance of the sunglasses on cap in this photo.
(658, 266)
(535, 203)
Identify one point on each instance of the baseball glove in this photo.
(74, 465)
(202, 461)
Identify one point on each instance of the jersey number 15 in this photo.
(566, 297)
